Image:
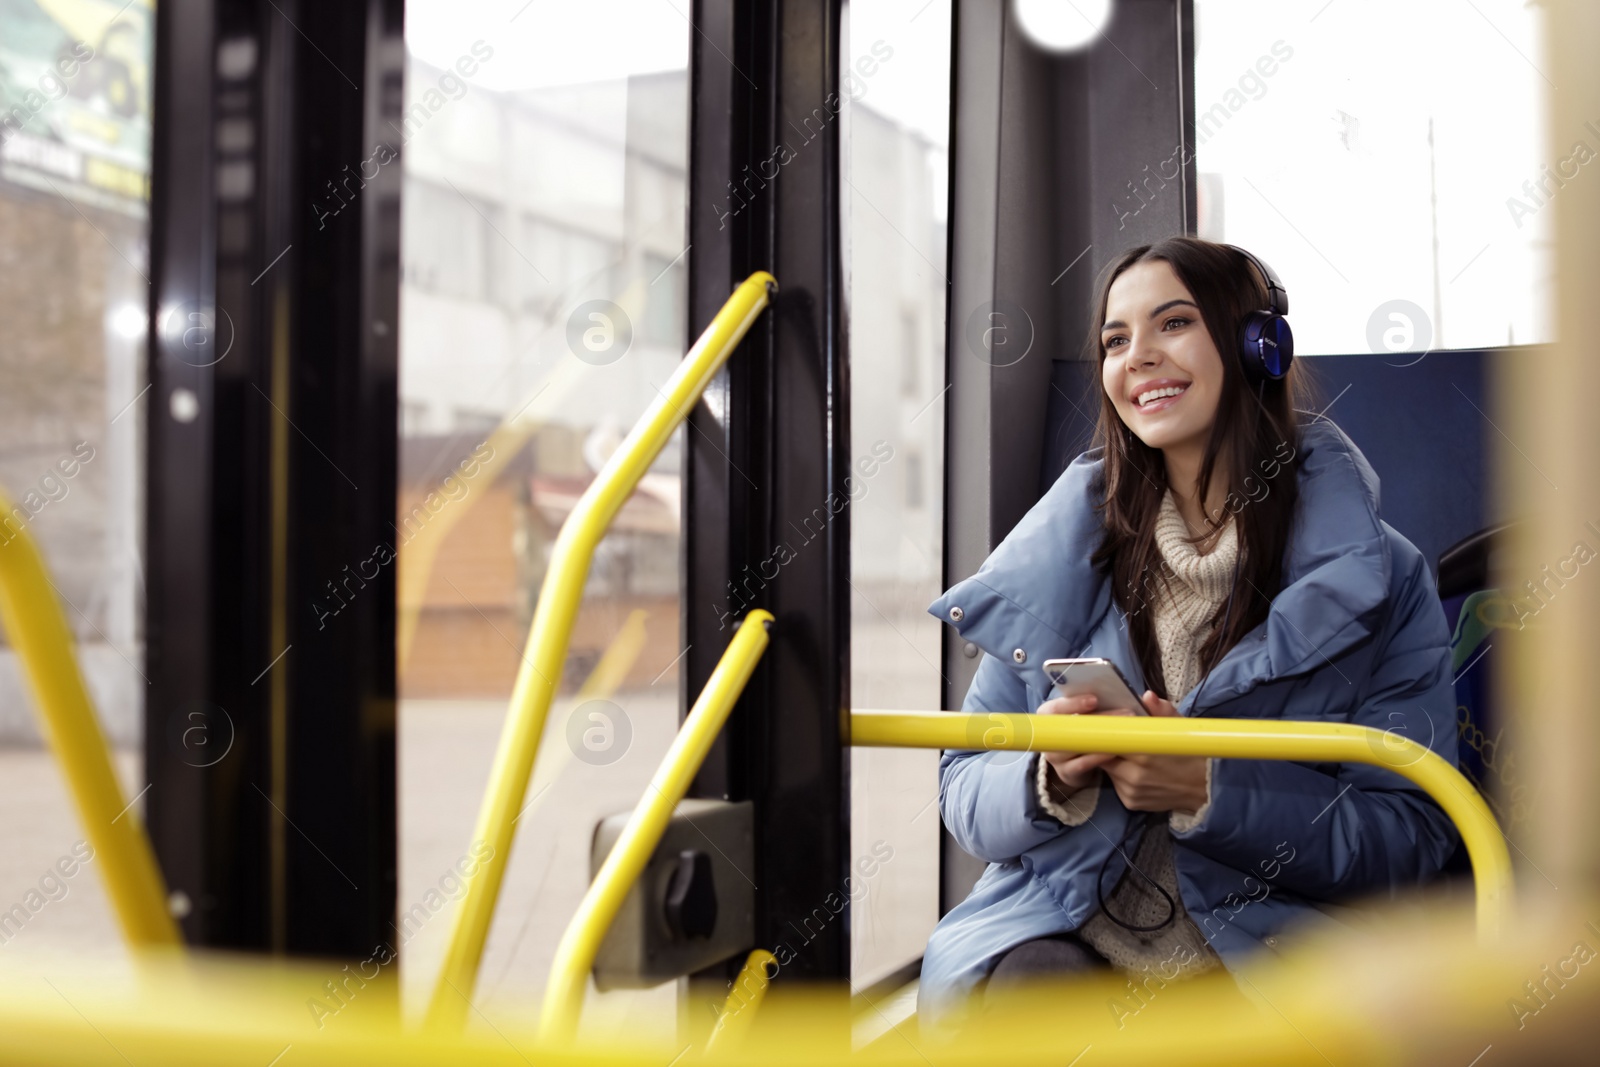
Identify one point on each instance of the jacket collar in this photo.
(1037, 596)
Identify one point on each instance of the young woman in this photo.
(1225, 550)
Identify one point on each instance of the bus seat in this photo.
(1474, 611)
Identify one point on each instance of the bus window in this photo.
(897, 137)
(1348, 138)
(75, 111)
(543, 267)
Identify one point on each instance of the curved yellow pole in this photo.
(1230, 738)
(38, 631)
(557, 608)
(603, 680)
(569, 972)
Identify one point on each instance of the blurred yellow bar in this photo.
(1541, 430)
(1228, 738)
(569, 972)
(37, 630)
(1412, 990)
(559, 599)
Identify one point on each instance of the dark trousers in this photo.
(1056, 956)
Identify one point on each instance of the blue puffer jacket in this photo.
(1356, 635)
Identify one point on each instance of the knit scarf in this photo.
(1199, 585)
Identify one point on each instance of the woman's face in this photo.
(1155, 342)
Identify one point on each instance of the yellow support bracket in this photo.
(557, 610)
(569, 972)
(738, 1011)
(1228, 738)
(38, 631)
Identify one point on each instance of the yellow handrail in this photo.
(38, 631)
(569, 971)
(1230, 738)
(557, 609)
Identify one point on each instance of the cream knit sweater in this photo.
(1199, 585)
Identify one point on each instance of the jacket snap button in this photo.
(969, 650)
(956, 614)
(1019, 656)
(1271, 942)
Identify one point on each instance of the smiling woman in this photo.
(1303, 604)
(1183, 417)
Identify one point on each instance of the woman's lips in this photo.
(1160, 405)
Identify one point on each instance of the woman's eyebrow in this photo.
(1119, 324)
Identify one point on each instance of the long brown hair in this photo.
(1256, 436)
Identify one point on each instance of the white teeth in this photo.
(1157, 394)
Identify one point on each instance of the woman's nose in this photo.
(1142, 353)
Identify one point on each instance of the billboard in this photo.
(75, 85)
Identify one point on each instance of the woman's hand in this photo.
(1158, 783)
(1075, 770)
(1143, 783)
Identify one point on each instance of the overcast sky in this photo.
(1325, 163)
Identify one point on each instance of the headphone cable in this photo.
(1137, 823)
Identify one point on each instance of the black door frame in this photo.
(271, 468)
(767, 452)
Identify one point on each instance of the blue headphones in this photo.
(1266, 344)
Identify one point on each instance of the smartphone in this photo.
(1075, 677)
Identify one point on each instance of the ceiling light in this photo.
(1062, 25)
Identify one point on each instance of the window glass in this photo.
(897, 81)
(74, 243)
(1389, 161)
(666, 300)
(450, 253)
(544, 199)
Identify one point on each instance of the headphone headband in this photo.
(1277, 295)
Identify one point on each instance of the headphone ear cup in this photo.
(1266, 346)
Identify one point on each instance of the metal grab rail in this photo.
(38, 631)
(557, 609)
(569, 971)
(1229, 738)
